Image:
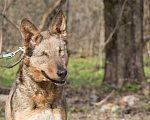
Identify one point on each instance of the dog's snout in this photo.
(62, 73)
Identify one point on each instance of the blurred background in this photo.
(109, 44)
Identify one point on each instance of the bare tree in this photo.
(2, 22)
(124, 57)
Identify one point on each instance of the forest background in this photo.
(109, 43)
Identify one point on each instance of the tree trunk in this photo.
(67, 13)
(124, 57)
(101, 32)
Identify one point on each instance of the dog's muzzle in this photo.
(54, 81)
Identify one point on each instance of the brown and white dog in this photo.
(37, 93)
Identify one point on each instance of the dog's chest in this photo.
(45, 115)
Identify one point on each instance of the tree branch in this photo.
(2, 21)
(117, 25)
(49, 12)
(13, 24)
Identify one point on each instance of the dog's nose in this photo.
(62, 73)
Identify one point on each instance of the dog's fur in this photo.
(37, 93)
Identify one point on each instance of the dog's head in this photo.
(46, 54)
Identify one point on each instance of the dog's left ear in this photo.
(58, 25)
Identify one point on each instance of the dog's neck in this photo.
(42, 93)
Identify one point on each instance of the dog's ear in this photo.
(30, 34)
(58, 25)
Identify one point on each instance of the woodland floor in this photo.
(81, 105)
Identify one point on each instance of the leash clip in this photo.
(20, 48)
(9, 55)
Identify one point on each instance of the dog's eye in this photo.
(60, 51)
(66, 42)
(44, 53)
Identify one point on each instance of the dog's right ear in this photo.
(58, 25)
(31, 36)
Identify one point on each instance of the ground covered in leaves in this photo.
(125, 105)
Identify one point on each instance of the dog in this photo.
(37, 93)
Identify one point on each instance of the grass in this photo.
(2, 115)
(7, 76)
(80, 72)
(147, 67)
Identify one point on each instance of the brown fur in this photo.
(34, 93)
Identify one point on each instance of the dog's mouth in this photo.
(54, 81)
